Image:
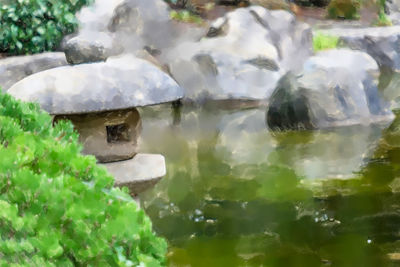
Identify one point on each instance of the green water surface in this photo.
(236, 194)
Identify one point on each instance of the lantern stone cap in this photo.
(139, 173)
(119, 83)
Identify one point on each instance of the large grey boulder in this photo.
(14, 69)
(112, 27)
(137, 24)
(118, 83)
(242, 56)
(335, 88)
(382, 43)
(90, 47)
(93, 42)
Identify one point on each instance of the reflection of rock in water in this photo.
(242, 138)
(331, 153)
(391, 91)
(227, 186)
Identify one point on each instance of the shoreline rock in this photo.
(335, 88)
(379, 42)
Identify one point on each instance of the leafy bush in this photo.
(33, 26)
(348, 9)
(57, 207)
(323, 42)
(382, 20)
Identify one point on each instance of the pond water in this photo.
(236, 194)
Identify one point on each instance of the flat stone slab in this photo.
(119, 83)
(140, 173)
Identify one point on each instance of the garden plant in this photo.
(33, 26)
(57, 207)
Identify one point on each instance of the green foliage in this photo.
(323, 42)
(57, 207)
(186, 16)
(348, 9)
(383, 20)
(33, 26)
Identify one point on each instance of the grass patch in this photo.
(382, 20)
(185, 16)
(324, 42)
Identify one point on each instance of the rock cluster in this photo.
(242, 56)
(250, 55)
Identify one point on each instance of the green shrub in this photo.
(348, 9)
(57, 207)
(323, 42)
(33, 26)
(382, 20)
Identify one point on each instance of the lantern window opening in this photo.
(118, 133)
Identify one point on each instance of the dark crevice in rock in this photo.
(341, 96)
(289, 110)
(263, 63)
(218, 31)
(206, 64)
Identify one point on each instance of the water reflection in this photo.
(242, 137)
(236, 195)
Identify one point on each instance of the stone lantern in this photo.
(100, 99)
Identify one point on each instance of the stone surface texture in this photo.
(112, 27)
(109, 136)
(90, 47)
(119, 83)
(140, 173)
(335, 88)
(242, 56)
(14, 69)
(382, 43)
